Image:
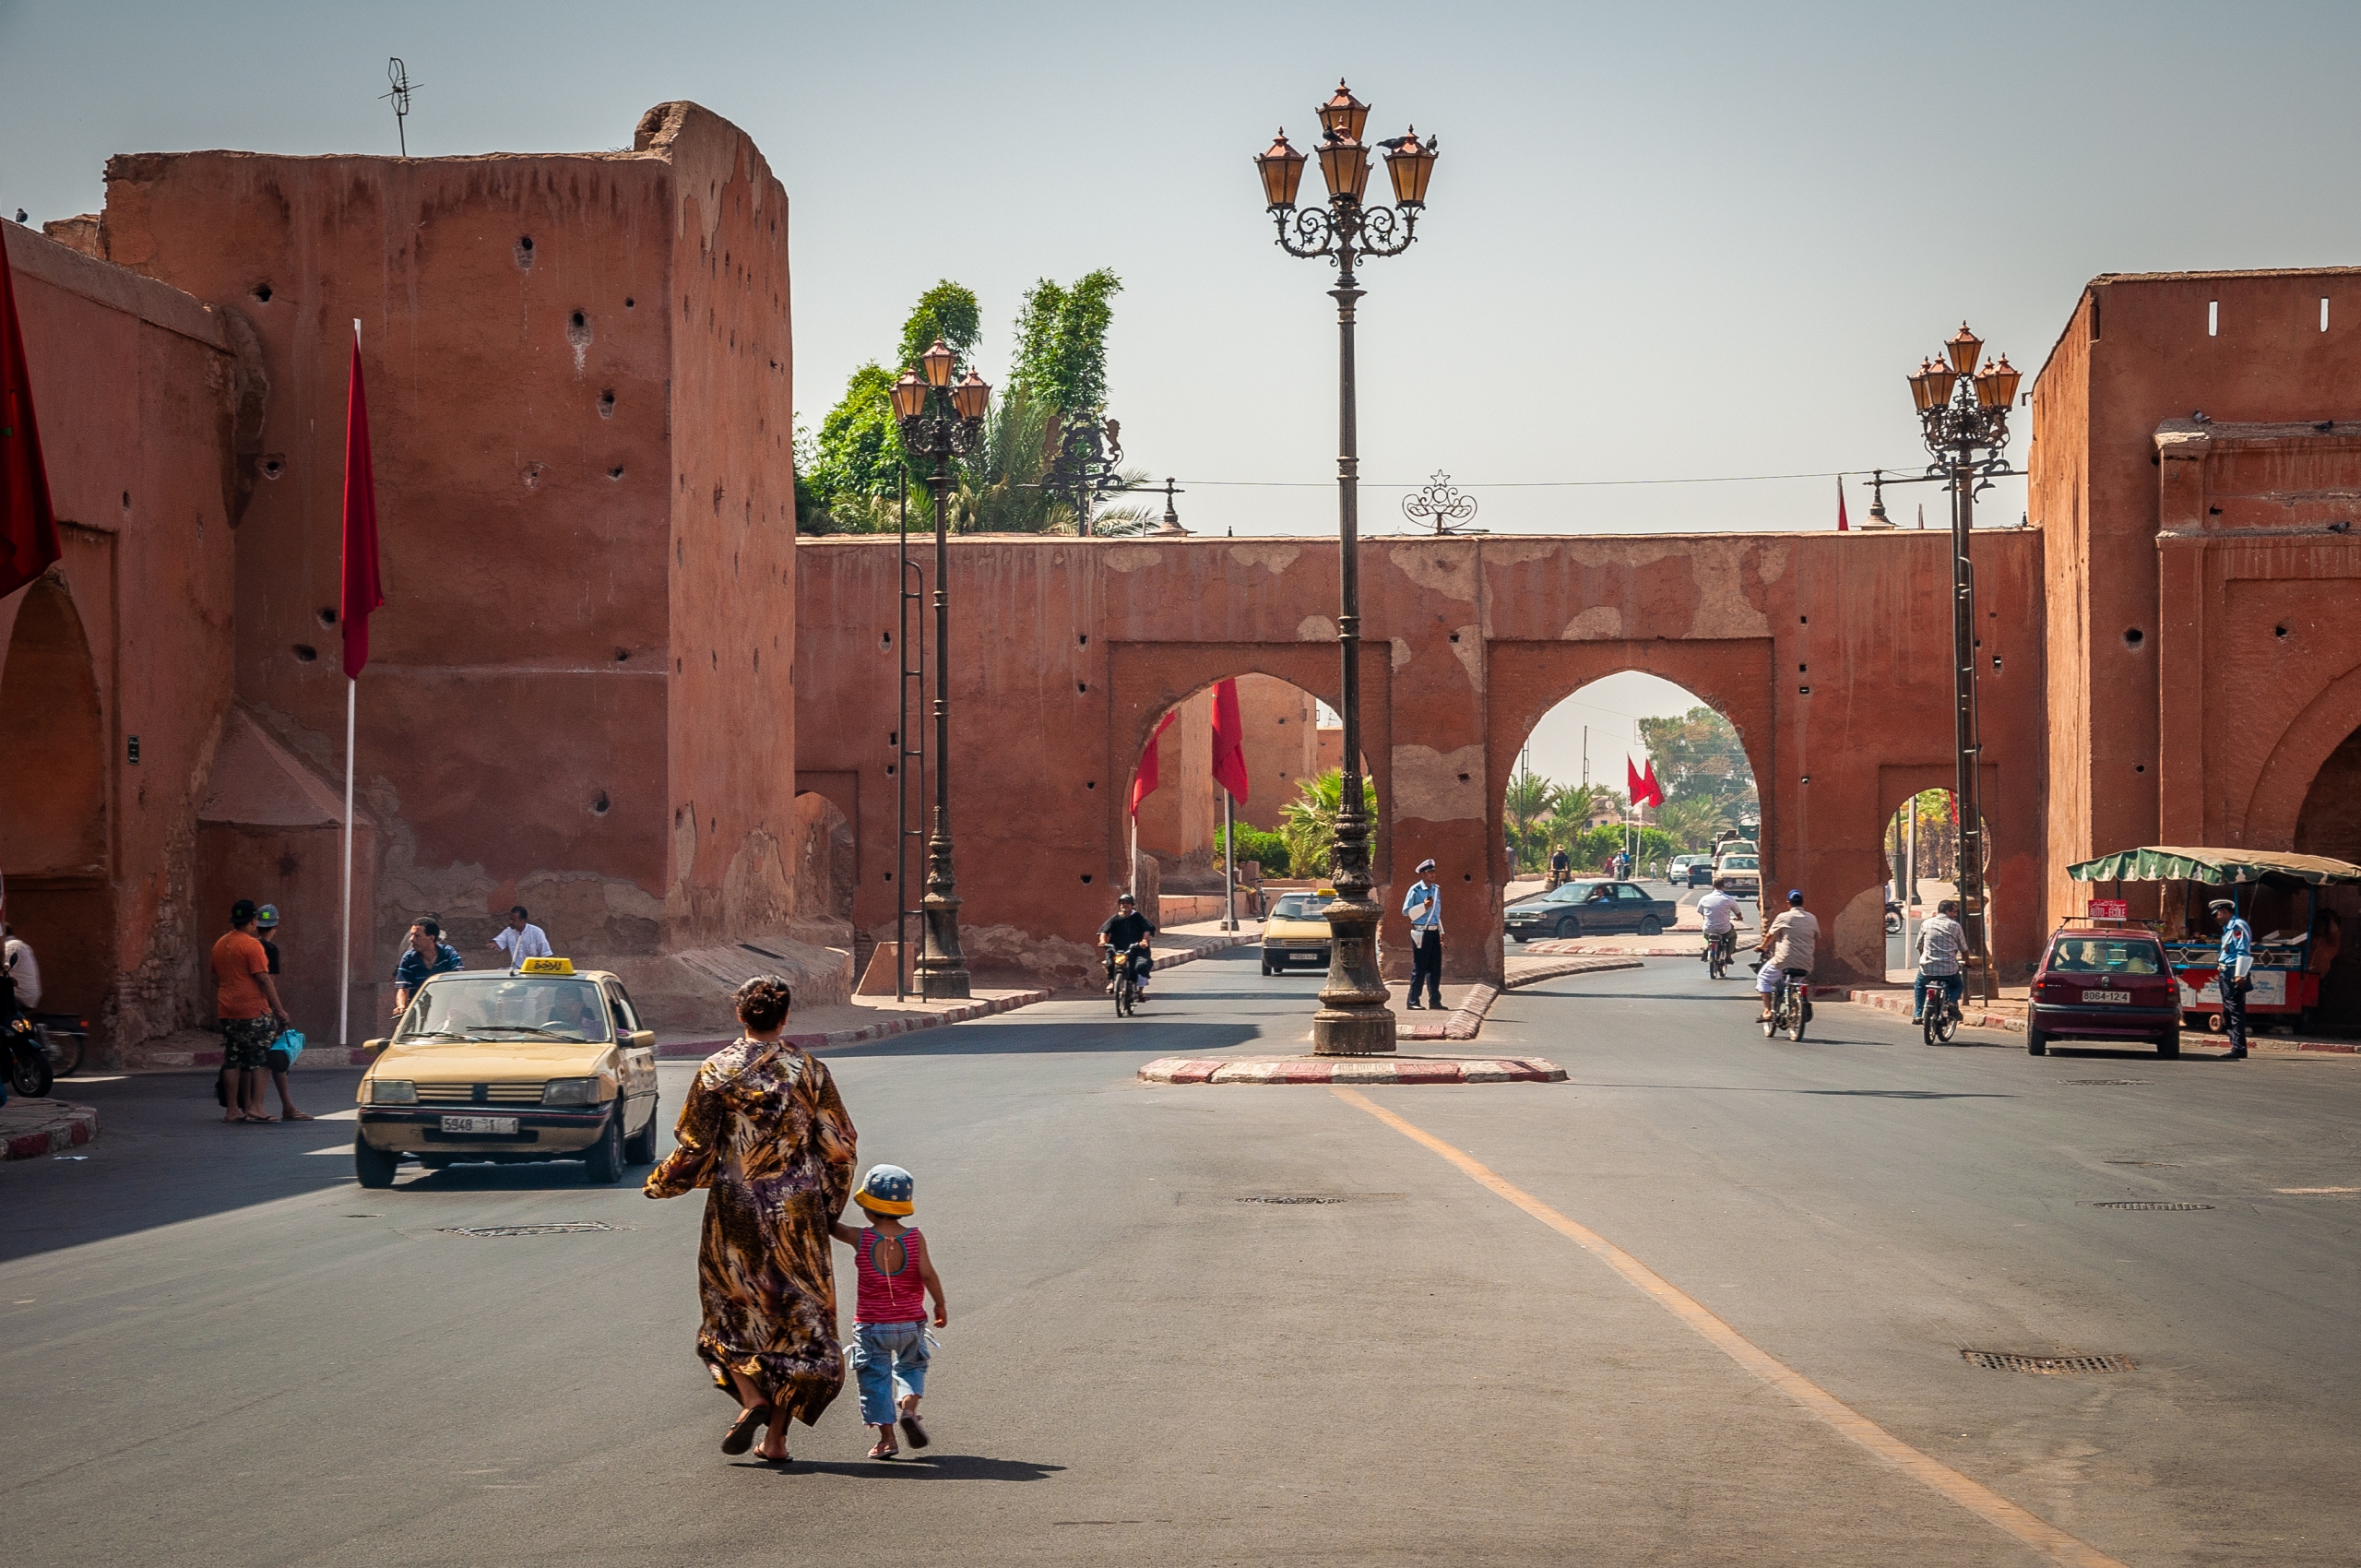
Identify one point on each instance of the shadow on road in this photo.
(1147, 1033)
(922, 1467)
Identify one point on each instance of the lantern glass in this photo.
(1997, 388)
(1343, 115)
(938, 363)
(1409, 166)
(909, 395)
(1282, 171)
(1964, 349)
(971, 396)
(1941, 379)
(1922, 388)
(1345, 165)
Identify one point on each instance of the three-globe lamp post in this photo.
(1964, 416)
(942, 419)
(1353, 1019)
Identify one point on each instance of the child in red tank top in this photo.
(891, 1346)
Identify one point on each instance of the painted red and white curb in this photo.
(1899, 1001)
(36, 1127)
(1554, 946)
(1380, 1070)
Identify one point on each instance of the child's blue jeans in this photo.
(890, 1360)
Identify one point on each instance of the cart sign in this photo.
(2110, 909)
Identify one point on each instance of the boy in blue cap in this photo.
(891, 1346)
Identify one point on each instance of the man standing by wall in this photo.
(520, 939)
(2230, 979)
(1423, 904)
(246, 1000)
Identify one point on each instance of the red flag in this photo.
(1230, 742)
(1655, 791)
(1841, 525)
(1145, 784)
(1636, 788)
(363, 591)
(27, 527)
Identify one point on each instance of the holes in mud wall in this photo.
(1090, 783)
(127, 501)
(2279, 631)
(630, 304)
(615, 472)
(600, 804)
(885, 639)
(273, 466)
(2134, 636)
(306, 653)
(328, 615)
(1082, 685)
(524, 252)
(262, 294)
(606, 398)
(622, 654)
(1085, 876)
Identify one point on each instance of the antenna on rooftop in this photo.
(398, 74)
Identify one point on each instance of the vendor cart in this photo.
(2277, 895)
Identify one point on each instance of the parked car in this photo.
(1297, 928)
(1590, 908)
(1701, 874)
(1740, 875)
(1676, 869)
(2103, 984)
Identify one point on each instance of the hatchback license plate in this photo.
(504, 1125)
(2107, 996)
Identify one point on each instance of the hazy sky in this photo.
(1632, 204)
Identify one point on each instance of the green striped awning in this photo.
(2166, 864)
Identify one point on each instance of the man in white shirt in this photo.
(1424, 906)
(1789, 942)
(25, 970)
(520, 939)
(1719, 912)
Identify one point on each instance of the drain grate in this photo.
(2047, 1366)
(1293, 1198)
(2149, 1164)
(2101, 1083)
(576, 1228)
(2144, 1203)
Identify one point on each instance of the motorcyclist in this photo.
(1789, 943)
(1719, 912)
(1941, 941)
(1126, 929)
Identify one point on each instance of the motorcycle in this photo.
(64, 1038)
(1892, 918)
(26, 1064)
(1126, 982)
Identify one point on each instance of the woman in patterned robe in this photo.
(765, 1134)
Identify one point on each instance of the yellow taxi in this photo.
(543, 1063)
(1295, 928)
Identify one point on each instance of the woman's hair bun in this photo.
(763, 1003)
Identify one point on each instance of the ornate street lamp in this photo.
(1964, 415)
(1440, 502)
(943, 419)
(1088, 467)
(1353, 1019)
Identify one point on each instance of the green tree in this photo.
(1692, 821)
(1699, 754)
(947, 311)
(1309, 824)
(1525, 804)
(1061, 341)
(1268, 849)
(857, 459)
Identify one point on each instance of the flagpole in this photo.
(1229, 864)
(351, 708)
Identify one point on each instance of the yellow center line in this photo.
(1929, 1472)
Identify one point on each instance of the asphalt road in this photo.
(218, 1349)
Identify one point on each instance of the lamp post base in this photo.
(1353, 1019)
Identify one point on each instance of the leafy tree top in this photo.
(947, 311)
(1061, 341)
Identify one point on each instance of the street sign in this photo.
(2110, 909)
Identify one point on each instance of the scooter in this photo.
(26, 1064)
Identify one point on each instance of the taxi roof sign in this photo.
(546, 967)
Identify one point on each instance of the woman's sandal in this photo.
(742, 1431)
(882, 1451)
(915, 1432)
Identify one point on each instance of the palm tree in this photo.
(1309, 824)
(1692, 820)
(1529, 799)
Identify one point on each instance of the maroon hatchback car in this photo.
(2107, 983)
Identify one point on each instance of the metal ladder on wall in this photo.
(910, 758)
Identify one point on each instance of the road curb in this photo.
(56, 1124)
(1378, 1070)
(1552, 947)
(1579, 967)
(1899, 1001)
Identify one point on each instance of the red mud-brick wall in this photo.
(135, 389)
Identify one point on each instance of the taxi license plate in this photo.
(2087, 996)
(502, 1124)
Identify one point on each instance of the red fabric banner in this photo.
(363, 591)
(27, 527)
(1634, 790)
(1143, 785)
(1841, 525)
(1230, 742)
(1655, 791)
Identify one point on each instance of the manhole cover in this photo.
(2101, 1083)
(2143, 1203)
(576, 1228)
(1295, 1198)
(2047, 1366)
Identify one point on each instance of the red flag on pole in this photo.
(27, 527)
(1655, 791)
(1145, 784)
(1636, 788)
(363, 591)
(1230, 742)
(1841, 525)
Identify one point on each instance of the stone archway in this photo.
(2282, 795)
(54, 827)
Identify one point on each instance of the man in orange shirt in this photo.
(246, 1000)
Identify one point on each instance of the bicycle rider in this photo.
(1125, 931)
(1941, 941)
(1719, 911)
(1788, 944)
